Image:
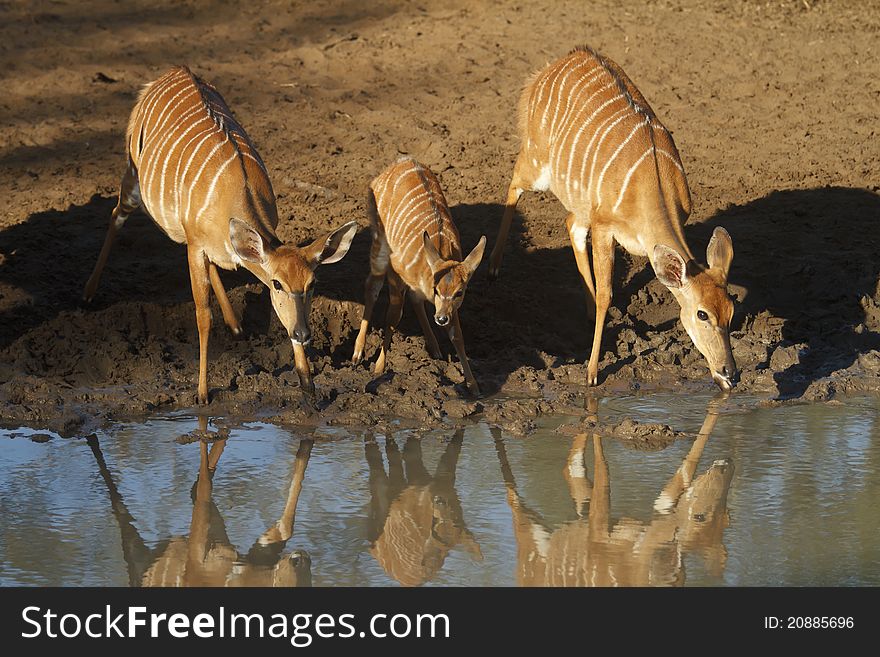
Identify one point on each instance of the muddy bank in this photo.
(777, 153)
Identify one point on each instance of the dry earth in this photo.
(773, 106)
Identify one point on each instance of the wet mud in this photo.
(777, 141)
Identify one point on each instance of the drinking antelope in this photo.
(196, 172)
(589, 136)
(415, 519)
(417, 248)
(206, 557)
(689, 517)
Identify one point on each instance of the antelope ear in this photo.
(326, 251)
(431, 254)
(670, 267)
(719, 253)
(473, 260)
(246, 242)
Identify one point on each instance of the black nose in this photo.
(442, 320)
(302, 335)
(731, 373)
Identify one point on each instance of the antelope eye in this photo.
(701, 315)
(458, 295)
(277, 285)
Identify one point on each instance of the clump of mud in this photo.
(330, 108)
(635, 434)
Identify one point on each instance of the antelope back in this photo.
(409, 202)
(195, 164)
(591, 138)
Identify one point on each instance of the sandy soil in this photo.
(772, 105)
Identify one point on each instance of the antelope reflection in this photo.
(415, 519)
(689, 516)
(206, 557)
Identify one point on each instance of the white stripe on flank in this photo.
(598, 147)
(182, 179)
(589, 148)
(613, 157)
(400, 178)
(424, 222)
(538, 98)
(573, 104)
(163, 174)
(178, 177)
(563, 147)
(161, 90)
(398, 212)
(403, 224)
(168, 135)
(167, 112)
(570, 121)
(213, 184)
(583, 126)
(567, 97)
(629, 175)
(556, 77)
(671, 157)
(201, 170)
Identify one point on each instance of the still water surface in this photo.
(783, 496)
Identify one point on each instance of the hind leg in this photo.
(129, 201)
(577, 233)
(378, 268)
(396, 296)
(520, 181)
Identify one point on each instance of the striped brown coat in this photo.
(196, 172)
(590, 137)
(417, 247)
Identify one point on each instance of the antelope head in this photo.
(290, 270)
(450, 278)
(706, 306)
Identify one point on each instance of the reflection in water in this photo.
(689, 517)
(802, 503)
(415, 519)
(206, 557)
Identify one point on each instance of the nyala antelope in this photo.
(206, 556)
(590, 137)
(417, 248)
(690, 515)
(415, 518)
(197, 174)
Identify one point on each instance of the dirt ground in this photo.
(773, 106)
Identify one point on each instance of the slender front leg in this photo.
(225, 307)
(603, 262)
(201, 285)
(578, 236)
(599, 515)
(303, 371)
(396, 295)
(129, 201)
(430, 339)
(457, 339)
(575, 474)
(514, 191)
(371, 292)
